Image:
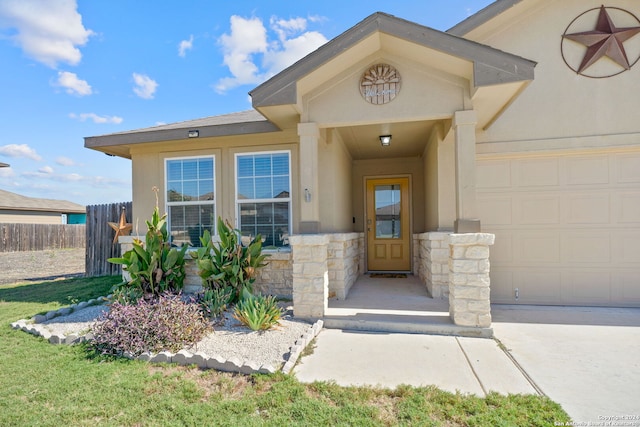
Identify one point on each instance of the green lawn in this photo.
(46, 385)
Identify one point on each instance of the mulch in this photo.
(41, 265)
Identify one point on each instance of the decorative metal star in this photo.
(122, 227)
(606, 40)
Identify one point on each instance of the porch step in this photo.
(384, 325)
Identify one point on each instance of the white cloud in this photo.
(93, 181)
(65, 161)
(248, 37)
(96, 119)
(248, 40)
(293, 50)
(145, 86)
(47, 31)
(184, 46)
(73, 84)
(7, 172)
(20, 150)
(46, 170)
(287, 27)
(69, 177)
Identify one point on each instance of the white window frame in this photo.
(238, 202)
(214, 202)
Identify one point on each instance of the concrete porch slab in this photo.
(395, 305)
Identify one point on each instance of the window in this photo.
(263, 196)
(190, 198)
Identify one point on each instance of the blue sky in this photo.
(72, 69)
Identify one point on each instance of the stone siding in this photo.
(310, 275)
(469, 284)
(276, 278)
(432, 262)
(343, 262)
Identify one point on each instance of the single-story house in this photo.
(384, 148)
(18, 209)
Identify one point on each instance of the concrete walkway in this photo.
(587, 359)
(468, 365)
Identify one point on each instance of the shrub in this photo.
(257, 312)
(165, 323)
(154, 266)
(229, 264)
(213, 302)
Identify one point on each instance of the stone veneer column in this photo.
(310, 275)
(343, 263)
(433, 253)
(469, 292)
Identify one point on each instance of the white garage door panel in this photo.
(588, 247)
(627, 288)
(501, 285)
(628, 204)
(533, 249)
(587, 287)
(537, 286)
(567, 228)
(584, 208)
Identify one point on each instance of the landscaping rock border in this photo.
(34, 326)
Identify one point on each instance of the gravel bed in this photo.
(77, 322)
(230, 339)
(270, 347)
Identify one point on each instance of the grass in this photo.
(47, 385)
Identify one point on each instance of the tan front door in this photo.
(387, 222)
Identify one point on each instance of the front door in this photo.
(388, 225)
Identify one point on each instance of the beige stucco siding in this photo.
(560, 104)
(339, 102)
(566, 227)
(336, 187)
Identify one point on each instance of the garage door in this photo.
(567, 228)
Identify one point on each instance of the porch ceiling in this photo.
(408, 139)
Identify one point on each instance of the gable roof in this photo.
(481, 17)
(13, 201)
(275, 100)
(491, 66)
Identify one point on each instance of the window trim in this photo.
(216, 195)
(238, 202)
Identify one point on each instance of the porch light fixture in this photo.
(385, 140)
(194, 133)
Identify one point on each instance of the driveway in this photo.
(587, 359)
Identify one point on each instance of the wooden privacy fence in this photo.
(40, 237)
(100, 246)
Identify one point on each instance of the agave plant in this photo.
(257, 312)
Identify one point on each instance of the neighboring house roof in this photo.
(481, 17)
(13, 201)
